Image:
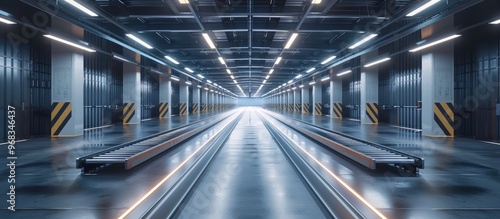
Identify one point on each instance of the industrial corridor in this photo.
(292, 109)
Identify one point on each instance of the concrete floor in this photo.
(460, 180)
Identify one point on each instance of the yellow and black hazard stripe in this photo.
(318, 109)
(297, 107)
(182, 109)
(290, 107)
(372, 112)
(305, 108)
(203, 107)
(163, 109)
(445, 117)
(128, 112)
(59, 117)
(337, 110)
(195, 108)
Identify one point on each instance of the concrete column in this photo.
(204, 100)
(196, 99)
(165, 94)
(211, 101)
(369, 93)
(437, 83)
(290, 101)
(336, 97)
(296, 100)
(284, 101)
(317, 99)
(131, 89)
(183, 98)
(67, 83)
(306, 108)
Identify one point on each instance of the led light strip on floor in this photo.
(158, 185)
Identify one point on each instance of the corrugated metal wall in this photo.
(400, 85)
(477, 83)
(351, 92)
(24, 82)
(150, 90)
(103, 85)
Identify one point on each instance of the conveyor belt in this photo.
(366, 153)
(133, 153)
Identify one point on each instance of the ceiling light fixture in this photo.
(232, 77)
(221, 60)
(174, 78)
(312, 82)
(325, 79)
(189, 83)
(315, 2)
(264, 81)
(278, 60)
(344, 72)
(310, 70)
(364, 40)
(421, 8)
(228, 71)
(377, 62)
(172, 60)
(200, 76)
(328, 60)
(5, 21)
(267, 77)
(209, 81)
(271, 71)
(209, 41)
(188, 69)
(495, 22)
(69, 43)
(136, 39)
(434, 43)
(184, 2)
(301, 86)
(82, 8)
(290, 41)
(298, 76)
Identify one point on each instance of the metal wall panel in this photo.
(351, 92)
(325, 87)
(24, 82)
(477, 84)
(150, 90)
(400, 85)
(103, 85)
(176, 97)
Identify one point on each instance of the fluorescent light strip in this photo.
(312, 82)
(221, 60)
(206, 88)
(235, 81)
(188, 69)
(69, 43)
(328, 60)
(344, 72)
(209, 81)
(200, 76)
(189, 83)
(136, 39)
(495, 22)
(82, 8)
(5, 21)
(232, 77)
(371, 36)
(123, 59)
(271, 71)
(264, 81)
(377, 62)
(209, 41)
(293, 88)
(310, 70)
(172, 60)
(174, 78)
(267, 77)
(301, 86)
(184, 2)
(290, 41)
(298, 76)
(278, 60)
(315, 2)
(198, 86)
(325, 79)
(421, 8)
(435, 43)
(228, 71)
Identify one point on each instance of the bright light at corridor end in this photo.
(495, 22)
(435, 43)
